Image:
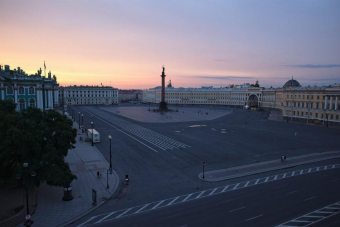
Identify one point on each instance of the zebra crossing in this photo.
(197, 195)
(154, 138)
(313, 217)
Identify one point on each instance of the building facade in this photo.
(28, 90)
(297, 103)
(88, 95)
(128, 95)
(252, 96)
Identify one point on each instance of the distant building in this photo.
(88, 95)
(28, 90)
(128, 95)
(310, 104)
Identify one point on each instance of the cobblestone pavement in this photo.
(141, 113)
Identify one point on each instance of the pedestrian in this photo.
(98, 174)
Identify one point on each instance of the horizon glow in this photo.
(200, 43)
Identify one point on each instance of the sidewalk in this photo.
(246, 170)
(84, 160)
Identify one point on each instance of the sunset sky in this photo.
(200, 43)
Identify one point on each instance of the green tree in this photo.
(39, 138)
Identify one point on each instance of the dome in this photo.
(292, 83)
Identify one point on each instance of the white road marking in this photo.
(186, 198)
(173, 201)
(157, 204)
(236, 186)
(266, 179)
(254, 217)
(87, 221)
(301, 171)
(105, 217)
(200, 194)
(124, 213)
(293, 174)
(212, 191)
(225, 188)
(325, 167)
(333, 166)
(317, 169)
(292, 192)
(237, 209)
(275, 177)
(142, 208)
(309, 170)
(284, 175)
(310, 198)
(227, 201)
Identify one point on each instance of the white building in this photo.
(88, 95)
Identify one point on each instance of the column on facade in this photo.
(38, 100)
(325, 106)
(330, 103)
(36, 97)
(336, 103)
(51, 99)
(2, 92)
(16, 95)
(45, 97)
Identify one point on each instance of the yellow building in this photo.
(311, 104)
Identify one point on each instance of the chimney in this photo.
(6, 68)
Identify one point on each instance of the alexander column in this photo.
(162, 104)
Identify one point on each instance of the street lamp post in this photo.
(110, 155)
(203, 169)
(74, 115)
(92, 132)
(107, 178)
(82, 120)
(327, 119)
(79, 119)
(18, 176)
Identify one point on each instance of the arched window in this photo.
(21, 104)
(21, 90)
(31, 90)
(32, 103)
(10, 90)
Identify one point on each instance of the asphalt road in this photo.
(168, 173)
(267, 204)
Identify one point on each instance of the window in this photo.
(317, 97)
(307, 96)
(303, 96)
(21, 90)
(31, 90)
(21, 104)
(32, 103)
(10, 90)
(316, 114)
(337, 117)
(331, 116)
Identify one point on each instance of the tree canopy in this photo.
(41, 139)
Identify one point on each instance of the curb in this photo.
(263, 170)
(99, 204)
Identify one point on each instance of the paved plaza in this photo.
(141, 113)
